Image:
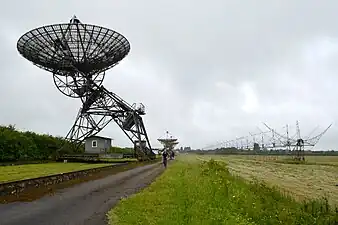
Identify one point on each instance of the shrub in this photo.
(22, 146)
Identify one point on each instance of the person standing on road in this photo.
(172, 155)
(165, 157)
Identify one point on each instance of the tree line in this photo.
(17, 146)
(26, 146)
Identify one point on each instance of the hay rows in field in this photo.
(301, 181)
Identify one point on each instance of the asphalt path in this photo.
(83, 204)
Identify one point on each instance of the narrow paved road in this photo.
(83, 204)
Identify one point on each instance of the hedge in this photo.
(27, 146)
(115, 149)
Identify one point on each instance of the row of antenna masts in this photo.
(270, 139)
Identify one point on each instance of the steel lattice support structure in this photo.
(78, 55)
(297, 141)
(294, 144)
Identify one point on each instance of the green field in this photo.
(317, 178)
(197, 190)
(21, 172)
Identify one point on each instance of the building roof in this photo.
(99, 137)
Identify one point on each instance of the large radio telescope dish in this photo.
(75, 53)
(73, 48)
(78, 55)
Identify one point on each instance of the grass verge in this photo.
(28, 171)
(191, 192)
(32, 194)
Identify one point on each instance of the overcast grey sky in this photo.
(206, 71)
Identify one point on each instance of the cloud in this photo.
(206, 71)
(251, 102)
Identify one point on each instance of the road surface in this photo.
(82, 204)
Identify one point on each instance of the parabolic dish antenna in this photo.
(168, 141)
(73, 48)
(78, 55)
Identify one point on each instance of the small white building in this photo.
(97, 144)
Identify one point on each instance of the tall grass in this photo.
(206, 193)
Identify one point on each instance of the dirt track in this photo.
(83, 204)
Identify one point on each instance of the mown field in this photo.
(28, 171)
(316, 178)
(234, 190)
